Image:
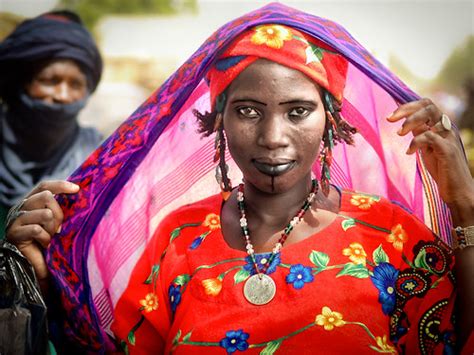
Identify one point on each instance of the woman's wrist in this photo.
(462, 212)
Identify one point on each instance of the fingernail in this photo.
(400, 130)
(390, 116)
(74, 186)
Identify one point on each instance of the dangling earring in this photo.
(328, 145)
(222, 168)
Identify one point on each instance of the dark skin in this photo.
(274, 127)
(59, 81)
(267, 123)
(445, 161)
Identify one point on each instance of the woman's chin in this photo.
(269, 184)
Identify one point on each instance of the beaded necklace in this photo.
(259, 289)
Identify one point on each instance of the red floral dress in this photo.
(375, 280)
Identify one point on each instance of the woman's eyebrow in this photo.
(248, 100)
(296, 101)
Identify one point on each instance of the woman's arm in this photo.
(444, 158)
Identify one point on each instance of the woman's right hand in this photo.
(39, 219)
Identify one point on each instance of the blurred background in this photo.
(429, 44)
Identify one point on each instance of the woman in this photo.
(284, 262)
(49, 66)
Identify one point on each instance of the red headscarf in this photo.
(283, 45)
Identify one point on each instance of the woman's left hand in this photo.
(444, 158)
(440, 148)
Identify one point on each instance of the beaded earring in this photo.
(328, 144)
(222, 168)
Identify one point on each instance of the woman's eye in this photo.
(299, 112)
(248, 112)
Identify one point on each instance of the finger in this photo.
(42, 200)
(56, 187)
(28, 233)
(428, 139)
(420, 120)
(407, 109)
(420, 129)
(43, 238)
(44, 217)
(35, 255)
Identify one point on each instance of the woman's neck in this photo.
(275, 209)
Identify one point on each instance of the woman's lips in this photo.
(273, 169)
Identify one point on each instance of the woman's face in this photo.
(58, 81)
(274, 120)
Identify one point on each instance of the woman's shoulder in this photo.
(364, 202)
(382, 213)
(195, 211)
(377, 209)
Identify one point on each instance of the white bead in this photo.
(294, 221)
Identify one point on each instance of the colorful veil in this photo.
(155, 162)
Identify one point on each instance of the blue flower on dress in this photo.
(174, 294)
(196, 242)
(261, 261)
(449, 343)
(384, 279)
(299, 275)
(235, 340)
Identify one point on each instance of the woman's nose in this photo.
(273, 133)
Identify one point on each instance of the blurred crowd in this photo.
(460, 108)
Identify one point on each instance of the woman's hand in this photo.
(39, 218)
(445, 160)
(440, 148)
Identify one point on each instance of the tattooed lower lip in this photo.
(273, 170)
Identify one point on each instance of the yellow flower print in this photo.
(149, 303)
(363, 202)
(398, 237)
(382, 344)
(212, 221)
(212, 287)
(329, 319)
(272, 35)
(356, 253)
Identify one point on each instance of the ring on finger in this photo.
(444, 124)
(17, 214)
(14, 212)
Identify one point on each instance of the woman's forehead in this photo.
(264, 76)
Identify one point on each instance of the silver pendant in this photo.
(259, 289)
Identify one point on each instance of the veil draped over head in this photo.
(156, 162)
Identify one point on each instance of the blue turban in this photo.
(48, 36)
